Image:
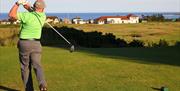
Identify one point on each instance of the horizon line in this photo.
(112, 12)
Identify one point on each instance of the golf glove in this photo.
(22, 2)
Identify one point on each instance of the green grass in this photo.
(9, 26)
(149, 32)
(111, 69)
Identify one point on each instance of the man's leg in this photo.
(24, 54)
(29, 85)
(36, 62)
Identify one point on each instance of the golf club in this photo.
(71, 46)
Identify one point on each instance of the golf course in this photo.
(102, 69)
(148, 32)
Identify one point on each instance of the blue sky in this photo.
(102, 5)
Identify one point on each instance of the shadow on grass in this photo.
(166, 55)
(157, 89)
(3, 88)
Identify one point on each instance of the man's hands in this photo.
(22, 2)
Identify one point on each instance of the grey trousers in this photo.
(30, 56)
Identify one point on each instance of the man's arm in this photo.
(13, 12)
(28, 7)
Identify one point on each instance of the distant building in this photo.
(52, 19)
(9, 21)
(67, 21)
(117, 19)
(91, 21)
(5, 21)
(14, 21)
(78, 20)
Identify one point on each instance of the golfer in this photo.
(29, 41)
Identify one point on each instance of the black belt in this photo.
(31, 39)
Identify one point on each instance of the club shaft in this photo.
(55, 30)
(58, 33)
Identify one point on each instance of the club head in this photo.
(72, 48)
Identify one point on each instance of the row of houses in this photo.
(9, 21)
(77, 20)
(101, 20)
(117, 19)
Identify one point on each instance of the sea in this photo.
(86, 16)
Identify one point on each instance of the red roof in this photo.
(131, 15)
(52, 17)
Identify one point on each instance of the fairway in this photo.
(98, 69)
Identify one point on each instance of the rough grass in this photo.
(148, 32)
(8, 35)
(111, 69)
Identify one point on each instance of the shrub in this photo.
(177, 44)
(163, 43)
(121, 43)
(92, 39)
(136, 35)
(136, 43)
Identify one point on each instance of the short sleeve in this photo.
(22, 16)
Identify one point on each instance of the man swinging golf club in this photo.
(29, 45)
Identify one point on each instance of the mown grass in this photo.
(99, 69)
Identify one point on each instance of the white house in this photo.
(5, 22)
(52, 19)
(117, 19)
(91, 21)
(16, 22)
(78, 20)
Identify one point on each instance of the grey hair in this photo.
(39, 4)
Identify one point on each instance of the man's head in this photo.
(39, 4)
